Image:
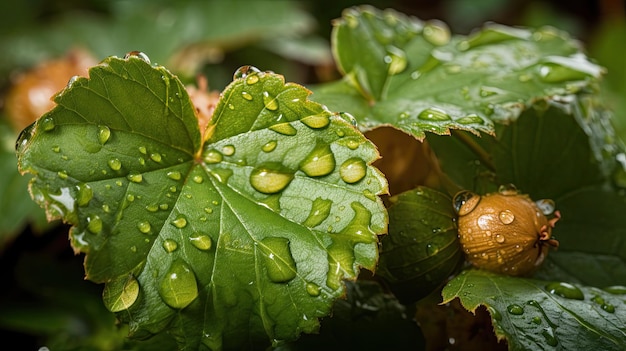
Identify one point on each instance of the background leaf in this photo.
(418, 77)
(226, 243)
(533, 314)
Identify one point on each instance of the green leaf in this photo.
(417, 77)
(422, 250)
(243, 238)
(533, 314)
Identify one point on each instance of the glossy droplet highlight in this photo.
(313, 289)
(245, 71)
(135, 177)
(279, 263)
(47, 124)
(320, 210)
(270, 178)
(548, 335)
(269, 146)
(465, 201)
(137, 54)
(180, 222)
(616, 290)
(318, 121)
(395, 59)
(179, 286)
(175, 175)
(352, 170)
(94, 224)
(104, 134)
(84, 194)
(144, 227)
(506, 217)
(228, 150)
(246, 95)
(434, 114)
(120, 294)
(565, 290)
(269, 101)
(319, 162)
(436, 32)
(213, 156)
(515, 309)
(156, 157)
(470, 119)
(201, 241)
(169, 245)
(115, 164)
(284, 129)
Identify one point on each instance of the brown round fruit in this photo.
(505, 232)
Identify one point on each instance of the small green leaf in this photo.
(243, 237)
(534, 314)
(422, 249)
(417, 77)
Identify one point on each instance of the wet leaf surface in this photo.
(228, 241)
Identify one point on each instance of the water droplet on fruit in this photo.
(270, 178)
(201, 241)
(104, 133)
(506, 217)
(565, 290)
(319, 162)
(352, 170)
(179, 286)
(279, 263)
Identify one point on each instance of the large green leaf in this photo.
(241, 239)
(417, 77)
(538, 315)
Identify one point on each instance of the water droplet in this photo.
(180, 222)
(156, 157)
(94, 224)
(436, 32)
(499, 238)
(104, 133)
(198, 179)
(245, 71)
(284, 129)
(506, 217)
(62, 175)
(270, 178)
(320, 209)
(178, 287)
(279, 263)
(115, 164)
(608, 308)
(175, 175)
(56, 149)
(137, 54)
(84, 194)
(470, 119)
(246, 95)
(507, 189)
(536, 320)
(434, 114)
(222, 174)
(316, 121)
(515, 309)
(495, 314)
(201, 241)
(566, 290)
(313, 289)
(135, 177)
(548, 335)
(47, 124)
(252, 79)
(213, 156)
(465, 201)
(348, 118)
(120, 294)
(395, 59)
(164, 206)
(319, 162)
(143, 150)
(152, 208)
(228, 150)
(269, 101)
(431, 249)
(551, 72)
(546, 206)
(144, 227)
(269, 146)
(170, 245)
(352, 170)
(616, 290)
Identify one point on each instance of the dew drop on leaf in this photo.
(104, 133)
(228, 150)
(316, 121)
(470, 119)
(565, 290)
(170, 245)
(313, 289)
(556, 73)
(156, 157)
(515, 309)
(143, 150)
(319, 212)
(548, 335)
(47, 124)
(213, 156)
(94, 224)
(84, 194)
(198, 179)
(178, 287)
(175, 175)
(270, 178)
(284, 129)
(245, 71)
(120, 294)
(180, 222)
(201, 241)
(319, 162)
(436, 32)
(144, 226)
(137, 54)
(135, 177)
(246, 95)
(395, 59)
(616, 290)
(279, 263)
(352, 170)
(269, 101)
(434, 114)
(115, 164)
(495, 314)
(269, 146)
